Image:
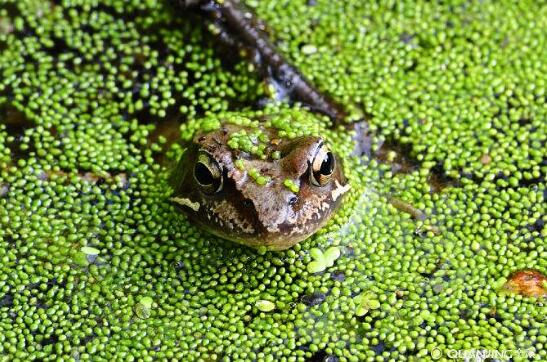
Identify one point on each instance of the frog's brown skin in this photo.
(243, 211)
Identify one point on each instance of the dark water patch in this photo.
(470, 176)
(349, 251)
(524, 121)
(179, 266)
(412, 66)
(322, 356)
(379, 348)
(248, 318)
(49, 284)
(398, 155)
(50, 340)
(465, 314)
(16, 123)
(15, 120)
(225, 46)
(438, 179)
(522, 182)
(338, 275)
(362, 138)
(535, 181)
(59, 47)
(493, 313)
(41, 304)
(406, 38)
(438, 266)
(11, 9)
(4, 189)
(87, 339)
(536, 226)
(368, 318)
(6, 300)
(313, 299)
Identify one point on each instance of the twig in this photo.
(242, 24)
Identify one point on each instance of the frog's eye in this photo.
(207, 173)
(322, 166)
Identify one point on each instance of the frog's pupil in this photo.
(203, 174)
(327, 166)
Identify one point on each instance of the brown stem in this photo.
(243, 24)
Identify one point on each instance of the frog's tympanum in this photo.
(254, 187)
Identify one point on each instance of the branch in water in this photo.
(242, 24)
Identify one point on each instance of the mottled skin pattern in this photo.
(243, 211)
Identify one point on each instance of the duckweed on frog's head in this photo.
(259, 182)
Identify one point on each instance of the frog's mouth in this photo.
(185, 202)
(238, 219)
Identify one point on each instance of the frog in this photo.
(257, 184)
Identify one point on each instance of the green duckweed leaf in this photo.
(146, 301)
(80, 259)
(317, 254)
(142, 311)
(499, 283)
(88, 250)
(323, 260)
(265, 305)
(365, 302)
(316, 267)
(331, 255)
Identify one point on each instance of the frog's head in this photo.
(251, 186)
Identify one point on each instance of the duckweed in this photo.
(265, 305)
(85, 87)
(90, 251)
(291, 185)
(365, 302)
(323, 260)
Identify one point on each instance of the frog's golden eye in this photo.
(322, 166)
(207, 173)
